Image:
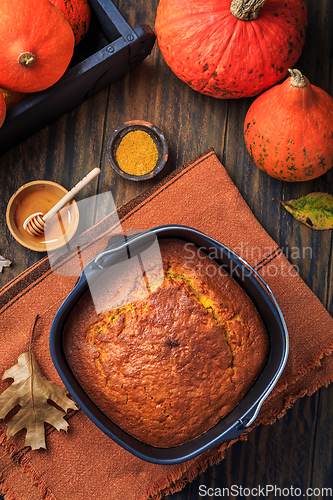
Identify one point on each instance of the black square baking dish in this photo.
(109, 49)
(242, 416)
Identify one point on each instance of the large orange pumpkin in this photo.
(288, 130)
(3, 109)
(231, 49)
(36, 45)
(77, 13)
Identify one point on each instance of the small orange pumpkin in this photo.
(288, 130)
(12, 98)
(36, 45)
(3, 109)
(77, 13)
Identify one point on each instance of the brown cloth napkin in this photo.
(84, 463)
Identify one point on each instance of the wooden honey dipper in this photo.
(35, 223)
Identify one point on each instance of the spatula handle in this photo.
(70, 195)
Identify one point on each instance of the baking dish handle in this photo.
(116, 243)
(101, 261)
(244, 422)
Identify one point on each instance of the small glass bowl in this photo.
(158, 138)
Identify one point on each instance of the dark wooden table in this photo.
(296, 451)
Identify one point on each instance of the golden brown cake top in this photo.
(168, 366)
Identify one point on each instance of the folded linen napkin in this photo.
(84, 463)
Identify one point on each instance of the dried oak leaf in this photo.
(4, 262)
(314, 210)
(31, 390)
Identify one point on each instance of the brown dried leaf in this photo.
(31, 390)
(4, 262)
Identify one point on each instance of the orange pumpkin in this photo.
(77, 13)
(36, 45)
(288, 130)
(230, 49)
(3, 109)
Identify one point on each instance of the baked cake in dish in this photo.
(169, 365)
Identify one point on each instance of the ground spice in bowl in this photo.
(137, 153)
(137, 150)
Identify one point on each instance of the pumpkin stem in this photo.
(297, 79)
(26, 59)
(246, 10)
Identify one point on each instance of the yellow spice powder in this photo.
(137, 153)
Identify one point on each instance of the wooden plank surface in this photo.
(296, 450)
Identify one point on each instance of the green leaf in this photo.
(315, 210)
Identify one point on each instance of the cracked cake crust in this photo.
(167, 367)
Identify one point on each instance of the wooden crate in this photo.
(109, 50)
